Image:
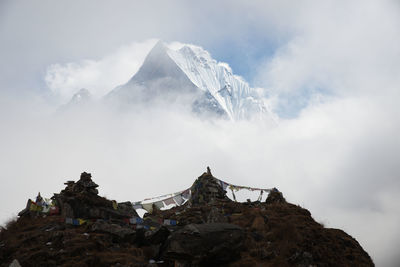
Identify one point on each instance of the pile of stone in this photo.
(207, 190)
(274, 197)
(81, 200)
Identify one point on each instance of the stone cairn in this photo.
(207, 190)
(81, 199)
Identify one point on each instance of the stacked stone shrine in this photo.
(207, 190)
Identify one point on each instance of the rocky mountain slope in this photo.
(80, 228)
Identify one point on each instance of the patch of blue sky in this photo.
(245, 55)
(291, 104)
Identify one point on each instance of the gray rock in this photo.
(15, 263)
(114, 229)
(207, 244)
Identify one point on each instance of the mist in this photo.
(338, 159)
(328, 71)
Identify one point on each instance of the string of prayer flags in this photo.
(181, 197)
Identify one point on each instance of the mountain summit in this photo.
(191, 75)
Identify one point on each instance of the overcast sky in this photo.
(330, 71)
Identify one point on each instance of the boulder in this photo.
(119, 231)
(209, 244)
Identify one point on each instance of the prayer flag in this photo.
(159, 204)
(45, 209)
(179, 200)
(169, 222)
(54, 210)
(137, 206)
(169, 201)
(186, 194)
(135, 220)
(148, 207)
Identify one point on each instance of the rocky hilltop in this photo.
(77, 227)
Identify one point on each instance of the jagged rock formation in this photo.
(210, 230)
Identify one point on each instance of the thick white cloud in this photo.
(338, 159)
(97, 76)
(337, 60)
(338, 49)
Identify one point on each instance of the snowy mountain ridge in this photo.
(231, 91)
(171, 71)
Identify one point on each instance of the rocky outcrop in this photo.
(209, 230)
(275, 197)
(208, 244)
(81, 200)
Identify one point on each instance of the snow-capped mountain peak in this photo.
(190, 68)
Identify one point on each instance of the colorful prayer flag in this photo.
(54, 210)
(135, 220)
(115, 204)
(169, 222)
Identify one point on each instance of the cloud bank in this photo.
(97, 76)
(330, 70)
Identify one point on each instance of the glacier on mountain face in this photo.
(190, 73)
